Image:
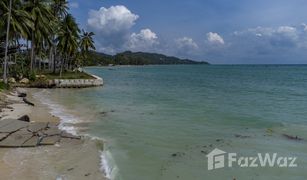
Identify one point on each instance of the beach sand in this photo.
(69, 159)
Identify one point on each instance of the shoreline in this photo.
(68, 159)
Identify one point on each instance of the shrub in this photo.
(4, 86)
(32, 76)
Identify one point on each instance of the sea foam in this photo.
(67, 120)
(107, 165)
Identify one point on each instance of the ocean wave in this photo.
(67, 120)
(107, 165)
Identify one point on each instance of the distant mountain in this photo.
(135, 58)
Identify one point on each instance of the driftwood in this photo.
(27, 102)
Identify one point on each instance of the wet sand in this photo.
(68, 159)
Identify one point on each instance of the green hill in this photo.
(135, 58)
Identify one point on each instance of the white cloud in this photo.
(186, 43)
(215, 38)
(268, 43)
(259, 31)
(74, 5)
(304, 26)
(143, 40)
(111, 20)
(112, 27)
(287, 31)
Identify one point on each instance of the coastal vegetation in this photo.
(135, 58)
(40, 37)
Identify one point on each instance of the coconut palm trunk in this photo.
(32, 51)
(54, 60)
(7, 44)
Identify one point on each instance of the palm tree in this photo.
(68, 39)
(43, 21)
(7, 43)
(86, 43)
(59, 10)
(20, 20)
(49, 28)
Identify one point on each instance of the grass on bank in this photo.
(68, 75)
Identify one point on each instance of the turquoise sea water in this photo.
(159, 122)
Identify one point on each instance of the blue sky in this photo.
(219, 31)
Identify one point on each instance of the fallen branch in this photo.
(27, 102)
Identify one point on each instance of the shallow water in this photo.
(146, 114)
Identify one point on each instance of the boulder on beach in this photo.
(40, 76)
(24, 81)
(12, 80)
(24, 118)
(22, 95)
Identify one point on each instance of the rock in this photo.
(5, 122)
(32, 142)
(292, 137)
(3, 136)
(52, 131)
(53, 124)
(103, 113)
(241, 136)
(12, 80)
(24, 118)
(24, 81)
(50, 140)
(69, 136)
(38, 126)
(22, 95)
(204, 152)
(70, 169)
(40, 76)
(179, 154)
(16, 139)
(11, 125)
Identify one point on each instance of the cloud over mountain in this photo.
(111, 20)
(215, 38)
(114, 28)
(186, 43)
(145, 40)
